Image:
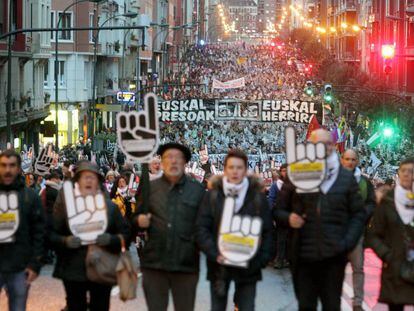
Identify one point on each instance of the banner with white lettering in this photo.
(196, 110)
(232, 84)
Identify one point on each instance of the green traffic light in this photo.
(328, 98)
(388, 132)
(309, 91)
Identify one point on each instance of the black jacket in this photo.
(208, 223)
(334, 221)
(171, 243)
(386, 238)
(70, 264)
(28, 248)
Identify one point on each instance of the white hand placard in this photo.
(306, 163)
(239, 235)
(138, 132)
(44, 160)
(87, 216)
(9, 216)
(27, 160)
(203, 155)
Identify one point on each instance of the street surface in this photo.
(275, 292)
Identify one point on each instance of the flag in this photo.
(313, 125)
(335, 135)
(374, 140)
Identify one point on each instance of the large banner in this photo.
(280, 110)
(232, 84)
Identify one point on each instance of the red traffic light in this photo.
(387, 66)
(388, 51)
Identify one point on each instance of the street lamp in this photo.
(95, 51)
(57, 64)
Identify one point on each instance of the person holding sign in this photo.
(84, 215)
(326, 215)
(235, 231)
(169, 258)
(22, 230)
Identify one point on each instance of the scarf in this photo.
(156, 175)
(403, 204)
(357, 174)
(234, 192)
(123, 191)
(332, 172)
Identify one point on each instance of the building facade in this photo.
(29, 105)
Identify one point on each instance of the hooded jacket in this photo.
(27, 249)
(208, 222)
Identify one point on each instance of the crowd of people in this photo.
(238, 223)
(181, 217)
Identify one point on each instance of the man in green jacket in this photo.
(22, 231)
(170, 258)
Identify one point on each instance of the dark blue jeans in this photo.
(17, 289)
(244, 296)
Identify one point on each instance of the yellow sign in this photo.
(7, 217)
(306, 167)
(239, 240)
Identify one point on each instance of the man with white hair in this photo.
(155, 168)
(325, 226)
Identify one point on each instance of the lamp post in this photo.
(164, 47)
(95, 51)
(9, 89)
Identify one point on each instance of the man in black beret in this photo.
(170, 259)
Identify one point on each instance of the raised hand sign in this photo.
(138, 132)
(197, 172)
(204, 155)
(239, 235)
(27, 160)
(306, 163)
(9, 216)
(44, 160)
(87, 216)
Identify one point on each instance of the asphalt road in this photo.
(274, 293)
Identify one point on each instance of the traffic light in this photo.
(327, 96)
(388, 51)
(388, 132)
(388, 129)
(309, 88)
(388, 54)
(387, 66)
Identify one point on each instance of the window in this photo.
(66, 22)
(392, 7)
(46, 75)
(410, 35)
(91, 24)
(61, 73)
(52, 24)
